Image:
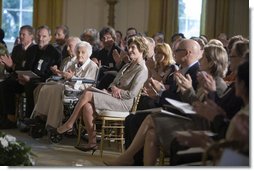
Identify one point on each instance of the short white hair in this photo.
(85, 44)
(75, 39)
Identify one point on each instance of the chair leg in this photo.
(162, 158)
(122, 140)
(79, 131)
(102, 136)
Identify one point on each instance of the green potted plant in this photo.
(13, 152)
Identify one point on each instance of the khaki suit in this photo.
(50, 99)
(130, 79)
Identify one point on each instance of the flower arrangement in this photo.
(14, 153)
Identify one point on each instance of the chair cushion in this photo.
(117, 114)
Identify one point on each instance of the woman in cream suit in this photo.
(121, 92)
(50, 99)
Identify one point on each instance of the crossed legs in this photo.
(86, 97)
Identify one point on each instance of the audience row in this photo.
(211, 75)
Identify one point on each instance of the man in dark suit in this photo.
(43, 55)
(16, 61)
(186, 55)
(38, 58)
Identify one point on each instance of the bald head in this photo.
(192, 51)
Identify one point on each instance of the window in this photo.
(189, 16)
(15, 14)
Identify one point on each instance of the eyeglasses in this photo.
(179, 50)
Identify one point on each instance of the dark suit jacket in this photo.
(48, 57)
(172, 91)
(231, 105)
(106, 57)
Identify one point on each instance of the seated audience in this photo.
(204, 38)
(91, 36)
(50, 100)
(119, 39)
(120, 95)
(151, 133)
(163, 68)
(219, 119)
(18, 60)
(61, 36)
(159, 38)
(2, 35)
(213, 66)
(223, 38)
(189, 63)
(176, 36)
(220, 113)
(46, 57)
(238, 130)
(215, 42)
(105, 57)
(131, 31)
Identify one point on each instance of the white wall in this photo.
(81, 14)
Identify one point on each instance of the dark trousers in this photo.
(9, 88)
(29, 90)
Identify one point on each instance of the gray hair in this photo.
(76, 39)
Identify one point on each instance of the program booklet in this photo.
(29, 73)
(183, 107)
(161, 110)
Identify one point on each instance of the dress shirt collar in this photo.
(184, 70)
(84, 65)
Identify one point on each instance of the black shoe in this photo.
(54, 136)
(87, 147)
(37, 130)
(7, 124)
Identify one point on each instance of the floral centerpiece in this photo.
(14, 153)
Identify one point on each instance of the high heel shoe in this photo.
(62, 129)
(87, 147)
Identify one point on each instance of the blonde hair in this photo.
(217, 58)
(166, 50)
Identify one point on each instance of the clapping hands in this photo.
(183, 83)
(6, 60)
(206, 81)
(208, 109)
